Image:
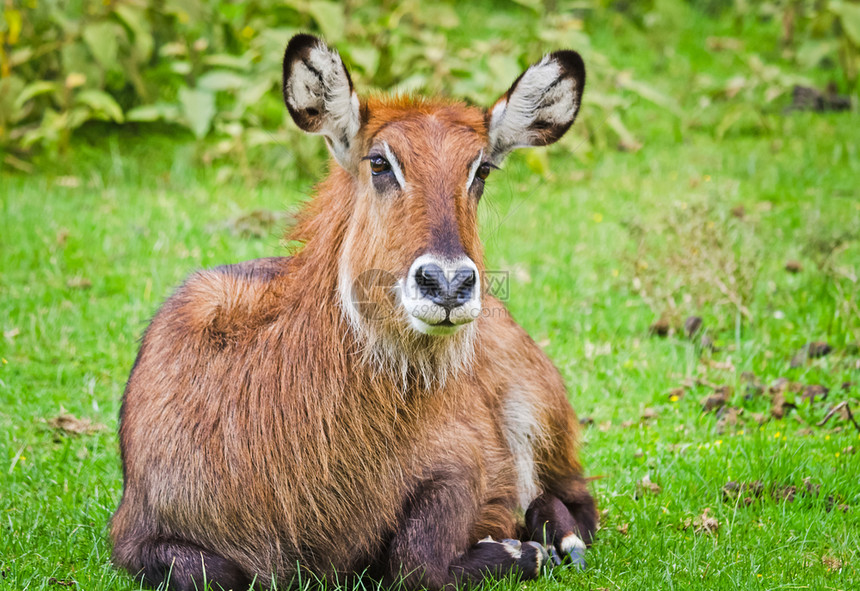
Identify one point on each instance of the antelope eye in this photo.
(483, 171)
(379, 165)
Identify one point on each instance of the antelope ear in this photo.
(319, 95)
(539, 107)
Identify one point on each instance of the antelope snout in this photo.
(434, 285)
(441, 295)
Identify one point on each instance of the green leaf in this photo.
(155, 112)
(811, 53)
(329, 18)
(223, 60)
(849, 18)
(252, 94)
(198, 108)
(33, 90)
(76, 58)
(10, 89)
(535, 5)
(101, 39)
(186, 11)
(538, 162)
(221, 80)
(504, 69)
(626, 140)
(77, 117)
(21, 56)
(439, 15)
(135, 19)
(365, 57)
(729, 120)
(649, 93)
(183, 67)
(13, 25)
(100, 103)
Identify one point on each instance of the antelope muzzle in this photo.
(441, 295)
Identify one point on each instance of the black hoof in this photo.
(577, 558)
(554, 558)
(533, 559)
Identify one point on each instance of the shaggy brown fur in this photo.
(263, 427)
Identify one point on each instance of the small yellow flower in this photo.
(827, 438)
(837, 454)
(673, 398)
(707, 178)
(776, 435)
(247, 32)
(4, 361)
(615, 272)
(759, 576)
(75, 79)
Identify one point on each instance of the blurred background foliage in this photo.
(213, 67)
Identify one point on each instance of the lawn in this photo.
(606, 249)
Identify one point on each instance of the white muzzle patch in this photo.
(426, 314)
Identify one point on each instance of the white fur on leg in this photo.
(522, 430)
(572, 542)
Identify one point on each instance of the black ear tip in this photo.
(298, 47)
(572, 62)
(300, 43)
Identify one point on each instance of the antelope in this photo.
(288, 414)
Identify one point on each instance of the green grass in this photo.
(146, 213)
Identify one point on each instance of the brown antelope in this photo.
(285, 415)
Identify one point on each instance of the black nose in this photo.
(434, 286)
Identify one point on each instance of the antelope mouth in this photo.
(443, 328)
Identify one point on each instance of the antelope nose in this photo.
(435, 286)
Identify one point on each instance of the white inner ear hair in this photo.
(322, 84)
(395, 165)
(538, 96)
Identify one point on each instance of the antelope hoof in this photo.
(532, 559)
(528, 558)
(577, 558)
(554, 558)
(574, 547)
